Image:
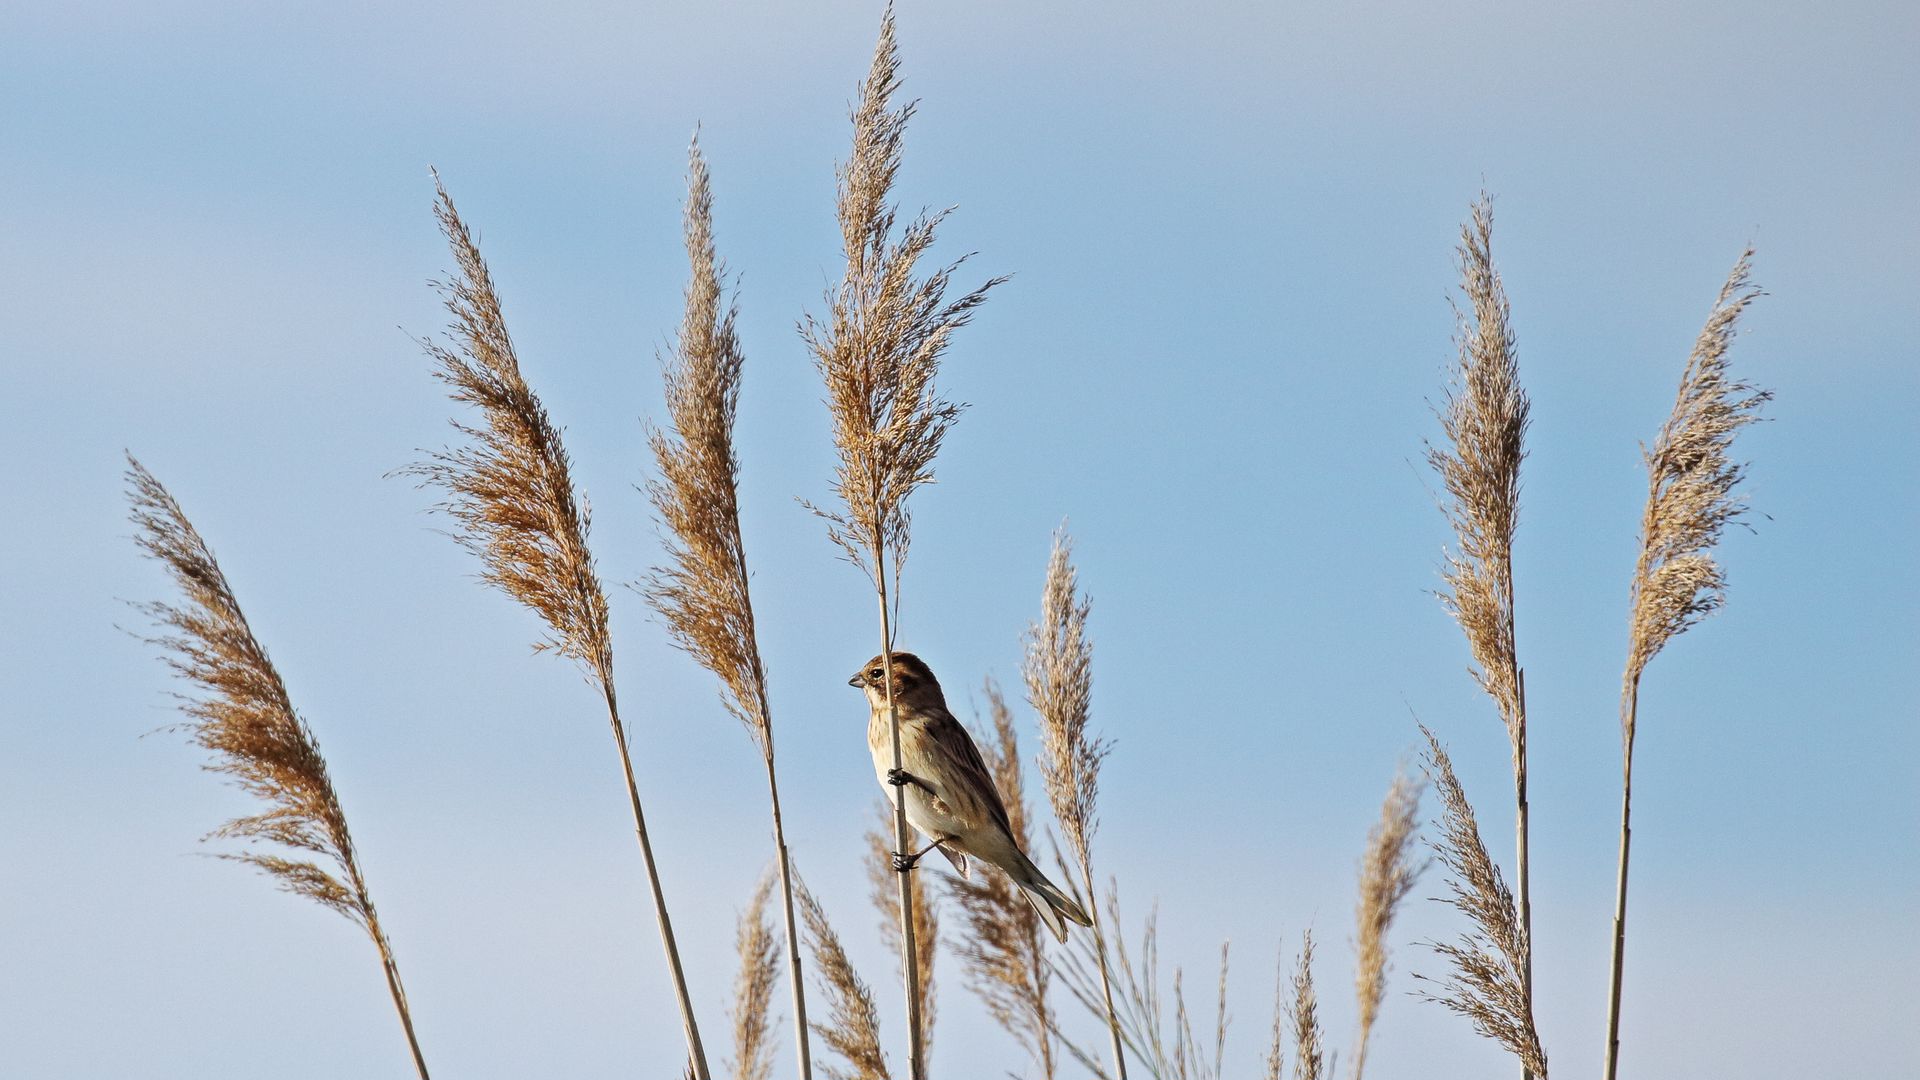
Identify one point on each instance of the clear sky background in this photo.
(1231, 230)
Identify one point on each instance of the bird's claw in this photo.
(904, 863)
(899, 777)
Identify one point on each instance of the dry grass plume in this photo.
(510, 493)
(852, 1027)
(703, 593)
(242, 715)
(1303, 1012)
(757, 943)
(878, 349)
(1485, 420)
(1676, 580)
(1487, 985)
(1058, 670)
(1387, 874)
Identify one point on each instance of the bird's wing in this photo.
(968, 787)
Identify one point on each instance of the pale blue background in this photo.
(1231, 227)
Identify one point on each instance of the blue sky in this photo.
(1230, 229)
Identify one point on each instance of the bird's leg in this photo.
(901, 778)
(904, 863)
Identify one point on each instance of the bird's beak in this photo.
(856, 681)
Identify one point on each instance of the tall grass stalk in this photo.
(1676, 580)
(1485, 421)
(704, 594)
(244, 717)
(1058, 670)
(510, 493)
(879, 349)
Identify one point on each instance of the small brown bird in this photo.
(950, 793)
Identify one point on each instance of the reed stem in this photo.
(1106, 982)
(1618, 968)
(903, 839)
(399, 992)
(696, 1053)
(803, 1051)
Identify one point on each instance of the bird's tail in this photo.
(1048, 901)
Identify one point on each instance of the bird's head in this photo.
(913, 682)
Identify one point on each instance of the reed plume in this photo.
(757, 943)
(1676, 581)
(1309, 1051)
(703, 595)
(1488, 983)
(852, 1027)
(878, 350)
(1387, 874)
(1005, 962)
(1485, 419)
(243, 716)
(1276, 1060)
(1058, 669)
(881, 881)
(510, 493)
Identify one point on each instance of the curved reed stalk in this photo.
(244, 717)
(1676, 580)
(1006, 962)
(1387, 874)
(1488, 984)
(510, 493)
(1485, 420)
(1058, 669)
(704, 596)
(878, 350)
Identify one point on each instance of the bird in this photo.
(950, 792)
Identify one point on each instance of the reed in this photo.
(758, 945)
(878, 349)
(242, 715)
(1309, 1045)
(1001, 946)
(1487, 984)
(852, 1027)
(703, 595)
(1058, 670)
(1691, 482)
(1387, 874)
(1485, 420)
(511, 496)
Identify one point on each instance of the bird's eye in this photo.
(874, 674)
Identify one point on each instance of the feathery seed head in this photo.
(1059, 674)
(879, 346)
(1485, 420)
(510, 489)
(703, 593)
(1691, 482)
(1488, 983)
(244, 717)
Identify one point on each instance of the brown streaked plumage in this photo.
(951, 797)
